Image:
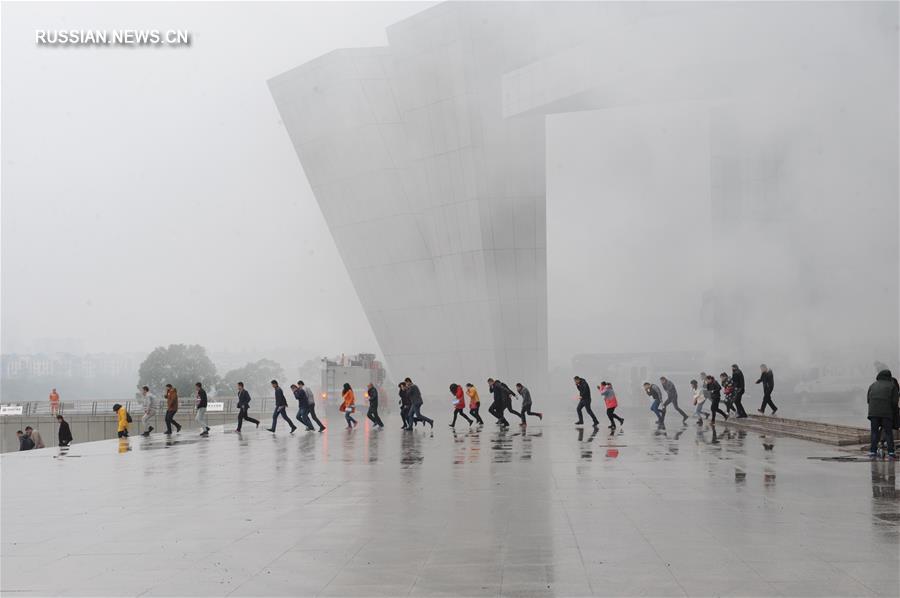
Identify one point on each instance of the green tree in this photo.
(178, 365)
(256, 377)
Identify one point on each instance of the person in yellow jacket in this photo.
(474, 402)
(349, 406)
(124, 420)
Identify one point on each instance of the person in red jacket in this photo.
(459, 404)
(609, 398)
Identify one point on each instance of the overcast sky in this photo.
(152, 196)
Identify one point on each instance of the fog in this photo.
(736, 198)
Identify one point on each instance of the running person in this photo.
(405, 405)
(348, 406)
(150, 402)
(768, 381)
(243, 405)
(372, 413)
(302, 411)
(474, 403)
(584, 401)
(280, 409)
(526, 403)
(611, 402)
(171, 409)
(655, 394)
(699, 396)
(415, 405)
(715, 390)
(500, 393)
(671, 398)
(459, 404)
(310, 404)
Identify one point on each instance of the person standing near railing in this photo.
(171, 409)
(243, 404)
(149, 410)
(201, 410)
(54, 402)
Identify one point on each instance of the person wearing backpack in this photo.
(611, 402)
(459, 404)
(123, 421)
(302, 411)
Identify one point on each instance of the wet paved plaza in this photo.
(553, 511)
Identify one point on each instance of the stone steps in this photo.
(834, 434)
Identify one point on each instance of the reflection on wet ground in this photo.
(547, 510)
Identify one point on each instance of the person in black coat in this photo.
(372, 413)
(584, 401)
(243, 404)
(737, 380)
(65, 432)
(280, 409)
(768, 381)
(501, 393)
(405, 404)
(715, 395)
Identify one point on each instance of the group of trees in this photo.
(184, 365)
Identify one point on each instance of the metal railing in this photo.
(185, 405)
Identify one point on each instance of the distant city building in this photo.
(356, 370)
(64, 365)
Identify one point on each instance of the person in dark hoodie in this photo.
(767, 378)
(280, 409)
(302, 411)
(372, 413)
(737, 380)
(655, 395)
(584, 401)
(882, 399)
(65, 432)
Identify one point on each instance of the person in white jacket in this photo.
(700, 397)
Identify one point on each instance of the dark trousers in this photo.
(124, 434)
(474, 413)
(242, 417)
(738, 397)
(585, 404)
(464, 416)
(415, 415)
(887, 425)
(372, 413)
(714, 408)
(674, 403)
(508, 406)
(496, 409)
(303, 417)
(282, 411)
(526, 410)
(404, 415)
(767, 400)
(311, 414)
(611, 414)
(170, 421)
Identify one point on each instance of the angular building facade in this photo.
(428, 158)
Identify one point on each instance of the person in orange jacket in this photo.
(474, 403)
(459, 403)
(54, 402)
(349, 406)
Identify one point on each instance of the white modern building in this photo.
(429, 158)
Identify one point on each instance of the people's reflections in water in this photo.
(884, 481)
(740, 477)
(410, 454)
(501, 446)
(459, 447)
(769, 478)
(124, 445)
(612, 453)
(587, 449)
(349, 445)
(768, 443)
